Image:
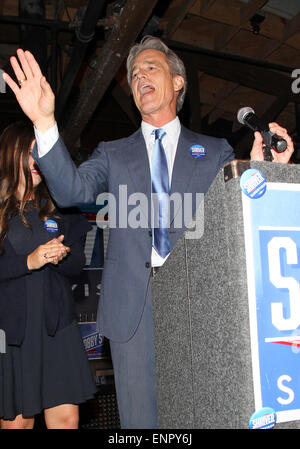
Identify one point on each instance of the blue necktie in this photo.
(160, 196)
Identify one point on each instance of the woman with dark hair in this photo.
(44, 366)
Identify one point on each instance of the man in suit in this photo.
(162, 157)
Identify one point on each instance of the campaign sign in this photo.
(272, 239)
(94, 239)
(93, 342)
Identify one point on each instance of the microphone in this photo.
(246, 116)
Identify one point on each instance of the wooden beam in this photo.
(193, 94)
(220, 97)
(126, 103)
(181, 12)
(33, 38)
(246, 12)
(205, 5)
(114, 51)
(83, 38)
(291, 27)
(255, 77)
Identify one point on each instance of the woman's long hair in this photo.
(15, 143)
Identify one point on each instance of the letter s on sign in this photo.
(278, 320)
(285, 389)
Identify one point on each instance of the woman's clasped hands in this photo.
(51, 252)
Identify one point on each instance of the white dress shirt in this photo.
(169, 141)
(45, 142)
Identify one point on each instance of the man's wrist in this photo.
(43, 124)
(46, 140)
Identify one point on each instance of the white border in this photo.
(252, 301)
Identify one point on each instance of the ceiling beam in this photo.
(84, 36)
(246, 12)
(126, 103)
(248, 75)
(205, 5)
(193, 94)
(181, 11)
(114, 51)
(290, 29)
(34, 21)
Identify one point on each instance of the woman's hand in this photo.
(33, 93)
(51, 252)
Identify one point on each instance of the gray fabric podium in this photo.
(201, 316)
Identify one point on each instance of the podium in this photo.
(213, 361)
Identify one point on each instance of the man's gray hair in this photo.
(176, 65)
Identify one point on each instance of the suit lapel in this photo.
(137, 161)
(184, 167)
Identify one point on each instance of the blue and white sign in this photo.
(93, 342)
(272, 239)
(93, 256)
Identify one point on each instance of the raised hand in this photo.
(51, 252)
(257, 148)
(33, 93)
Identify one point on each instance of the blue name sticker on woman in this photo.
(197, 151)
(51, 226)
(253, 183)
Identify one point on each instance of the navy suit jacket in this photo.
(126, 275)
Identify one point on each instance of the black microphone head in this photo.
(281, 145)
(242, 113)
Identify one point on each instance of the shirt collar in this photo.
(172, 129)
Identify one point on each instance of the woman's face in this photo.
(35, 173)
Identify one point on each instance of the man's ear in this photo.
(178, 82)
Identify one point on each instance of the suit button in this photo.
(147, 264)
(150, 233)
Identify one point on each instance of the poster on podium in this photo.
(272, 242)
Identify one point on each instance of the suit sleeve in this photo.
(12, 266)
(69, 185)
(226, 155)
(76, 228)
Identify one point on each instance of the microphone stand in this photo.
(267, 153)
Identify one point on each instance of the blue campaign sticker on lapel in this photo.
(265, 418)
(253, 183)
(51, 226)
(197, 151)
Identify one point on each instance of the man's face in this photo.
(154, 89)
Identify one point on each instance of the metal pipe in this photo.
(84, 36)
(37, 22)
